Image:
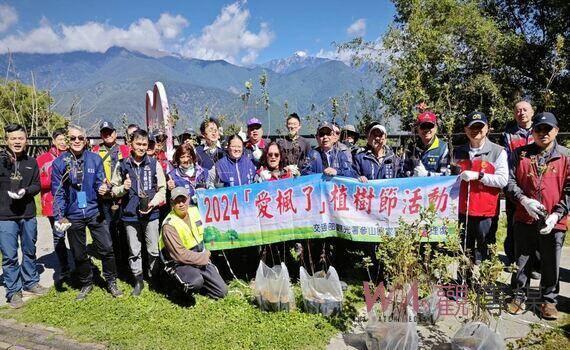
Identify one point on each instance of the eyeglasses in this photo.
(80, 138)
(269, 155)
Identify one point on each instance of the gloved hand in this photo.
(550, 221)
(469, 175)
(265, 175)
(62, 226)
(420, 170)
(17, 195)
(293, 169)
(533, 207)
(257, 154)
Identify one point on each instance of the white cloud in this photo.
(228, 38)
(171, 26)
(344, 56)
(8, 17)
(358, 28)
(143, 34)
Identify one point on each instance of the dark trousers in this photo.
(59, 247)
(103, 245)
(478, 236)
(117, 231)
(527, 241)
(205, 280)
(510, 241)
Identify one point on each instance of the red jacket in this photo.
(45, 161)
(284, 174)
(552, 188)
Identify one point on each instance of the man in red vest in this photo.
(45, 160)
(539, 182)
(484, 172)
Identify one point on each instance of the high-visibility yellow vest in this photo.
(191, 235)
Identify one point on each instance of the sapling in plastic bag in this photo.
(429, 308)
(391, 336)
(272, 288)
(476, 336)
(322, 292)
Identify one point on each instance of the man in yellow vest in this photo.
(182, 242)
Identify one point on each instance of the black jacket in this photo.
(24, 208)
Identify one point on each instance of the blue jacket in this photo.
(146, 172)
(66, 182)
(238, 172)
(318, 161)
(366, 164)
(206, 159)
(435, 158)
(182, 180)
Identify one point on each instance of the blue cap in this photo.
(544, 118)
(253, 121)
(476, 117)
(107, 125)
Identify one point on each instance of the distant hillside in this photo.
(106, 85)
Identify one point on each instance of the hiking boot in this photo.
(535, 275)
(83, 292)
(516, 306)
(139, 286)
(16, 301)
(38, 289)
(114, 290)
(548, 311)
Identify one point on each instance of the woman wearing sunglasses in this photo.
(273, 165)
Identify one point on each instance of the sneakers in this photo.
(84, 291)
(516, 306)
(548, 311)
(16, 301)
(114, 290)
(38, 289)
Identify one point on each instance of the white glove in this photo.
(469, 175)
(17, 195)
(533, 207)
(265, 175)
(62, 226)
(420, 170)
(257, 154)
(293, 169)
(550, 221)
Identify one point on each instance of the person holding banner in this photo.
(429, 155)
(234, 169)
(182, 248)
(209, 152)
(484, 172)
(186, 172)
(77, 183)
(327, 159)
(539, 184)
(139, 180)
(377, 161)
(295, 147)
(273, 165)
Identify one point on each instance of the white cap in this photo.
(379, 127)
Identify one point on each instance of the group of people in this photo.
(121, 193)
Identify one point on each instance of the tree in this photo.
(211, 234)
(232, 235)
(29, 107)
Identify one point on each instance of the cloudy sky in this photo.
(240, 32)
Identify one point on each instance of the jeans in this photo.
(136, 233)
(59, 246)
(103, 246)
(14, 274)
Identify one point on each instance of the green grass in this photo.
(155, 322)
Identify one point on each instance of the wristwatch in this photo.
(481, 174)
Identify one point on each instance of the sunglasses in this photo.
(80, 138)
(325, 133)
(273, 155)
(426, 126)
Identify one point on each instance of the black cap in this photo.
(476, 117)
(544, 118)
(325, 125)
(107, 125)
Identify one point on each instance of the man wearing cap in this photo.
(255, 143)
(111, 153)
(517, 134)
(428, 156)
(539, 184)
(209, 152)
(160, 139)
(187, 136)
(45, 161)
(349, 137)
(182, 248)
(326, 158)
(484, 172)
(295, 147)
(341, 146)
(377, 161)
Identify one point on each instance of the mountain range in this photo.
(96, 86)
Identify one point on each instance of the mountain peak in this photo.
(299, 60)
(300, 54)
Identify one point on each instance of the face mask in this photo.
(190, 171)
